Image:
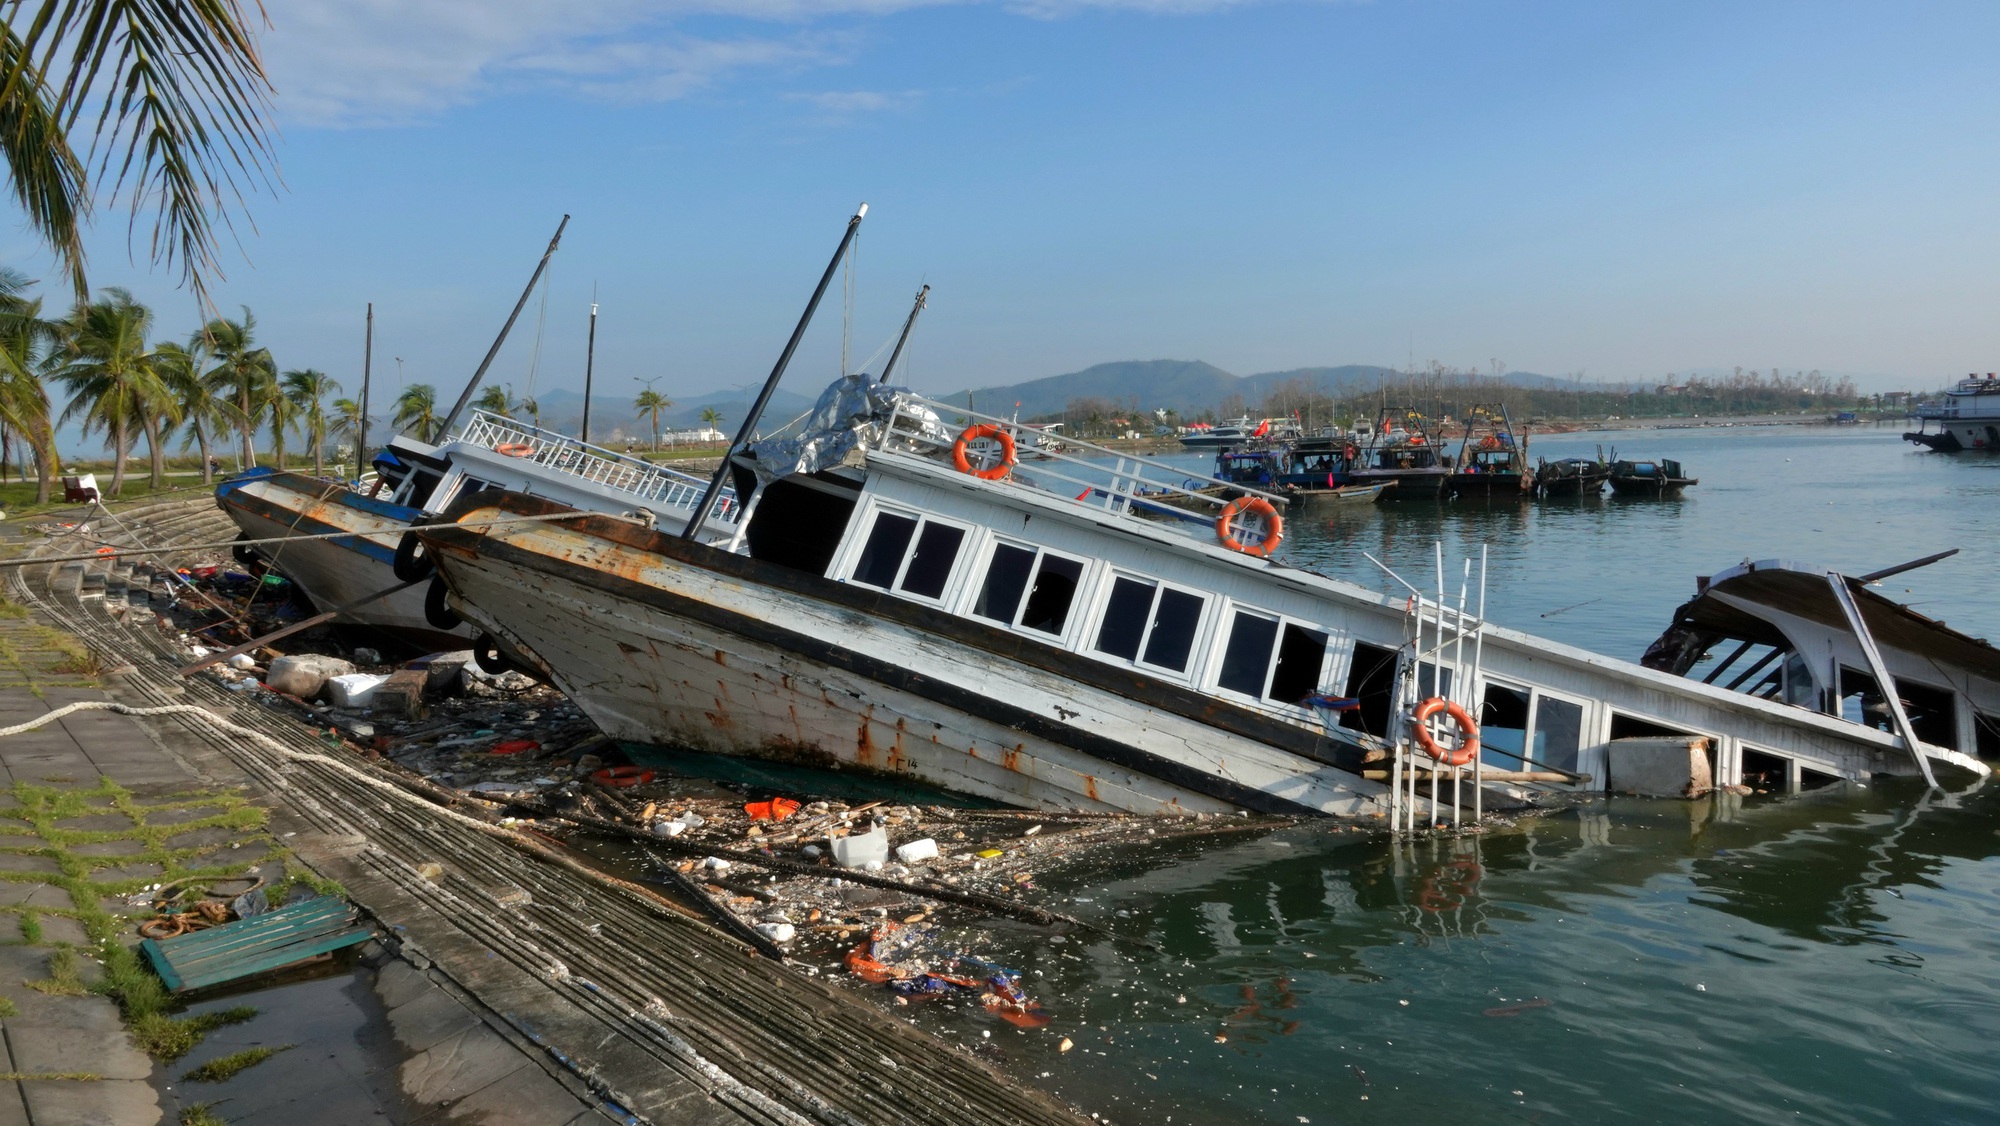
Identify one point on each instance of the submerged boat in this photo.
(1968, 418)
(416, 480)
(895, 600)
(1571, 477)
(1662, 478)
(1492, 465)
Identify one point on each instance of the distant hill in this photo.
(563, 410)
(1190, 386)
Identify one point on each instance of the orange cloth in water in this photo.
(777, 809)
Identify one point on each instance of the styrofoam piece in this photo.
(925, 849)
(859, 850)
(354, 690)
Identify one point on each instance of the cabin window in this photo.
(1632, 727)
(1503, 727)
(1371, 679)
(1247, 658)
(1142, 613)
(1006, 580)
(1049, 598)
(1931, 710)
(1764, 772)
(1986, 735)
(1301, 656)
(889, 561)
(798, 526)
(1558, 733)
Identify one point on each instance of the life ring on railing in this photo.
(514, 449)
(1468, 732)
(992, 472)
(1256, 506)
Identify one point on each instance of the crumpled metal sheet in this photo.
(850, 414)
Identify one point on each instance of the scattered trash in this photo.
(777, 932)
(861, 850)
(353, 690)
(925, 849)
(622, 777)
(777, 809)
(516, 747)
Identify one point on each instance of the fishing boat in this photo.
(1402, 452)
(1968, 417)
(1571, 477)
(1203, 436)
(1493, 464)
(1661, 478)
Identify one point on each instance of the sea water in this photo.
(1829, 957)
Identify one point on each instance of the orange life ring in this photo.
(1257, 506)
(514, 449)
(992, 472)
(619, 777)
(1468, 732)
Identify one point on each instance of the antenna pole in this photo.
(771, 384)
(367, 369)
(589, 363)
(472, 385)
(922, 294)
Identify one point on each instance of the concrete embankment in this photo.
(643, 1009)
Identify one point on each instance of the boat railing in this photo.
(1080, 472)
(653, 485)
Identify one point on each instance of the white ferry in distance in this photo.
(1968, 417)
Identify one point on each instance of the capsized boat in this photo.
(416, 480)
(897, 600)
(1820, 640)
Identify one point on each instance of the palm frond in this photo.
(49, 181)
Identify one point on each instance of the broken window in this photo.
(882, 556)
(1049, 599)
(1503, 727)
(1371, 679)
(1765, 772)
(798, 526)
(1142, 613)
(1006, 580)
(1247, 658)
(1301, 655)
(1558, 733)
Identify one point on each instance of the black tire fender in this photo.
(436, 611)
(411, 563)
(490, 660)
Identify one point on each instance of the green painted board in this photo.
(255, 945)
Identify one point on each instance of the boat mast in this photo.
(367, 367)
(905, 338)
(589, 362)
(465, 396)
(770, 384)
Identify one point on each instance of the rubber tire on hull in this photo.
(408, 565)
(244, 553)
(436, 612)
(488, 657)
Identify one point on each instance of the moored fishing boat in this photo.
(895, 600)
(1968, 418)
(1492, 465)
(1661, 478)
(1571, 477)
(1402, 452)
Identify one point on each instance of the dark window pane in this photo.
(1006, 578)
(1558, 732)
(1125, 618)
(1503, 727)
(1055, 587)
(1249, 654)
(1371, 679)
(937, 550)
(884, 552)
(1300, 656)
(1174, 623)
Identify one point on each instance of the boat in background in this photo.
(1571, 477)
(1968, 418)
(1493, 465)
(1201, 436)
(1402, 452)
(1662, 478)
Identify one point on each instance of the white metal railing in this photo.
(652, 485)
(1121, 484)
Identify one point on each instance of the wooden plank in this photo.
(255, 945)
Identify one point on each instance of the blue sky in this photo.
(1622, 189)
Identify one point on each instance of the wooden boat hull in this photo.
(1408, 484)
(1650, 486)
(1490, 486)
(334, 572)
(663, 641)
(1572, 481)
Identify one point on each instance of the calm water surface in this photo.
(1824, 958)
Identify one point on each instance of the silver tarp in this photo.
(849, 413)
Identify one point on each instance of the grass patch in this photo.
(38, 1076)
(65, 976)
(12, 609)
(168, 1038)
(201, 1114)
(225, 1068)
(8, 1008)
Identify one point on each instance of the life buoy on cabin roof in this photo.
(1468, 732)
(1274, 525)
(992, 472)
(514, 449)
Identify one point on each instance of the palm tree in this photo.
(244, 374)
(534, 410)
(110, 373)
(495, 400)
(417, 407)
(651, 402)
(284, 416)
(308, 389)
(169, 93)
(26, 341)
(196, 406)
(712, 419)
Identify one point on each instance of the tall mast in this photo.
(367, 368)
(771, 384)
(905, 338)
(472, 385)
(589, 363)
